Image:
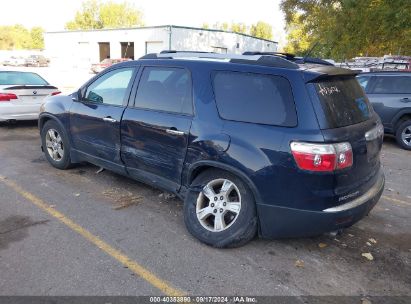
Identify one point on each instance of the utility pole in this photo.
(169, 37)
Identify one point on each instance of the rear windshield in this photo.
(343, 101)
(21, 78)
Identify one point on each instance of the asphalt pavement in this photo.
(79, 232)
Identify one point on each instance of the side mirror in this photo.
(76, 96)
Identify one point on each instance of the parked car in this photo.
(14, 61)
(251, 143)
(390, 95)
(21, 94)
(98, 67)
(37, 61)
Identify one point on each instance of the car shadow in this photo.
(18, 124)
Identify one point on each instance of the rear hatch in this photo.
(345, 115)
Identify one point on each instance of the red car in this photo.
(98, 67)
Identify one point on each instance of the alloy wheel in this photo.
(406, 135)
(218, 205)
(54, 145)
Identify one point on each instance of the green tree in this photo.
(22, 38)
(239, 28)
(37, 40)
(116, 15)
(18, 37)
(348, 28)
(221, 26)
(95, 14)
(224, 26)
(298, 41)
(261, 30)
(88, 18)
(6, 38)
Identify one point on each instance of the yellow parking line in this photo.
(397, 201)
(116, 254)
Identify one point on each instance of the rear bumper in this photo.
(281, 222)
(10, 111)
(28, 116)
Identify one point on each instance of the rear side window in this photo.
(21, 78)
(254, 98)
(363, 81)
(343, 101)
(392, 85)
(165, 89)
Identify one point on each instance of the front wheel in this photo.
(222, 214)
(56, 146)
(403, 134)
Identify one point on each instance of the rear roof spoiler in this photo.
(30, 87)
(325, 71)
(292, 57)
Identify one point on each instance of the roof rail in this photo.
(292, 57)
(174, 51)
(281, 54)
(256, 59)
(208, 55)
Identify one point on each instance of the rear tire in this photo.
(403, 134)
(224, 216)
(56, 145)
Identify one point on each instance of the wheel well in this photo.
(43, 121)
(400, 120)
(197, 171)
(200, 169)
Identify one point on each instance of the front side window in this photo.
(255, 98)
(110, 88)
(392, 85)
(165, 89)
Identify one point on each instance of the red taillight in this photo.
(344, 155)
(55, 93)
(322, 157)
(7, 96)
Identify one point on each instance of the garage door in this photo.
(154, 47)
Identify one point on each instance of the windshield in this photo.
(343, 101)
(21, 78)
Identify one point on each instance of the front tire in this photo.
(56, 145)
(222, 214)
(403, 134)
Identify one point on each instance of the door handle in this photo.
(174, 132)
(109, 119)
(406, 99)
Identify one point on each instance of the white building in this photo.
(81, 48)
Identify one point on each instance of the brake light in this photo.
(7, 96)
(55, 93)
(322, 157)
(344, 155)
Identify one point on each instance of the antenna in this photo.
(309, 51)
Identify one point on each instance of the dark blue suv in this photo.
(252, 143)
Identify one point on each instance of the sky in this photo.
(53, 14)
